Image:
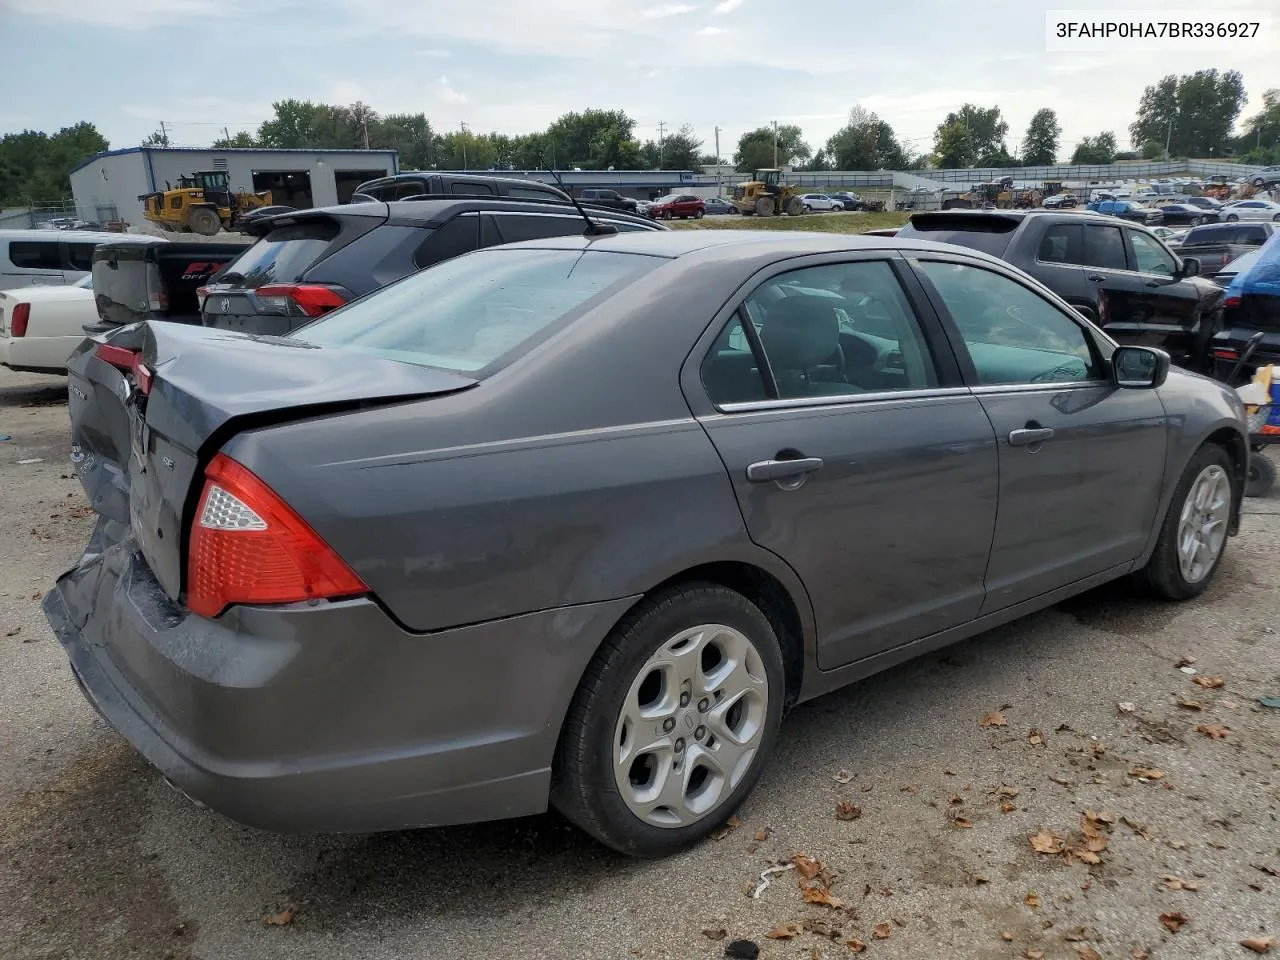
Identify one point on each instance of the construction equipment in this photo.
(201, 203)
(765, 194)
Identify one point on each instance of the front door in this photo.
(1081, 460)
(855, 453)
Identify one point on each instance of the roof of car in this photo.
(432, 210)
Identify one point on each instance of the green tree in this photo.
(1260, 141)
(819, 161)
(953, 146)
(35, 166)
(593, 140)
(680, 150)
(1040, 145)
(1152, 150)
(241, 139)
(1099, 149)
(755, 148)
(984, 131)
(412, 136)
(866, 142)
(293, 126)
(157, 139)
(1194, 113)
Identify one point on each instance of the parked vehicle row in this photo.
(572, 521)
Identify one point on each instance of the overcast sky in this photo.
(514, 65)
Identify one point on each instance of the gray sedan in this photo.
(576, 521)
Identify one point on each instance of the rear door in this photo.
(1081, 461)
(1059, 263)
(31, 263)
(882, 498)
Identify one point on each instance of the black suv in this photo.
(417, 185)
(610, 199)
(1116, 273)
(312, 261)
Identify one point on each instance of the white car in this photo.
(40, 326)
(1251, 210)
(820, 201)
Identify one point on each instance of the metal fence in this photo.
(34, 217)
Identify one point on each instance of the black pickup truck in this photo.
(608, 199)
(1116, 273)
(1216, 245)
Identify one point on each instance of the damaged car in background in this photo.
(530, 528)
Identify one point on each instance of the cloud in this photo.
(124, 14)
(727, 6)
(347, 91)
(668, 10)
(712, 31)
(434, 52)
(446, 92)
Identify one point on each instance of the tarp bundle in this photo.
(1263, 278)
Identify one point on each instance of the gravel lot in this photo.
(100, 860)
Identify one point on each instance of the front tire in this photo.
(1193, 536)
(1232, 218)
(673, 721)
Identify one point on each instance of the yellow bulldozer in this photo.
(766, 195)
(201, 203)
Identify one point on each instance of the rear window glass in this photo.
(282, 255)
(1208, 235)
(992, 238)
(466, 314)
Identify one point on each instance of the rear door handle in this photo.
(1026, 437)
(1097, 277)
(762, 471)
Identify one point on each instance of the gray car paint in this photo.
(505, 527)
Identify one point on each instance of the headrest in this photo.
(801, 332)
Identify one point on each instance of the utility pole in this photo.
(718, 191)
(662, 129)
(775, 143)
(1168, 138)
(364, 123)
(226, 134)
(463, 141)
(164, 134)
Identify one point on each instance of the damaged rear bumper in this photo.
(325, 717)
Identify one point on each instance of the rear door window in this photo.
(283, 255)
(1253, 236)
(408, 188)
(35, 254)
(475, 312)
(512, 228)
(465, 189)
(1104, 247)
(452, 239)
(80, 256)
(1062, 243)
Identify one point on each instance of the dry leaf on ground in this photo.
(1035, 737)
(1140, 953)
(730, 825)
(281, 919)
(1032, 899)
(1089, 857)
(1175, 920)
(1185, 661)
(847, 811)
(1259, 944)
(821, 895)
(1178, 883)
(763, 835)
(1214, 731)
(718, 934)
(1031, 954)
(882, 931)
(909, 788)
(993, 719)
(1006, 791)
(1006, 935)
(1146, 773)
(842, 777)
(788, 931)
(1088, 953)
(1190, 704)
(1209, 683)
(1062, 781)
(807, 867)
(1007, 807)
(856, 945)
(1125, 707)
(1046, 841)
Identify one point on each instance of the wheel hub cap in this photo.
(690, 725)
(1202, 526)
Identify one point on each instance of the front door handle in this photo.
(1027, 436)
(1097, 277)
(763, 471)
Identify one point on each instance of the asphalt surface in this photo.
(100, 860)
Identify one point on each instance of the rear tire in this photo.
(765, 207)
(1232, 218)
(1183, 531)
(204, 221)
(639, 718)
(699, 214)
(1262, 476)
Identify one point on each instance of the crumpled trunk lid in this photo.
(140, 453)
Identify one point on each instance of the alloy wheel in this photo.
(1202, 527)
(690, 725)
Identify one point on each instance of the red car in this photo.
(682, 205)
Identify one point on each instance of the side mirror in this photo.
(1190, 267)
(1139, 368)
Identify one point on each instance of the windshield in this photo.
(465, 314)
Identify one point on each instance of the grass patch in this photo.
(813, 222)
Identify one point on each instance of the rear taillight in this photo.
(1225, 353)
(128, 361)
(202, 294)
(249, 546)
(309, 299)
(1231, 302)
(18, 320)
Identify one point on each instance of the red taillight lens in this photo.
(19, 319)
(1226, 354)
(1231, 302)
(130, 361)
(312, 299)
(249, 546)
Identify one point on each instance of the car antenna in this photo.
(594, 228)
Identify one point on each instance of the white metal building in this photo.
(108, 185)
